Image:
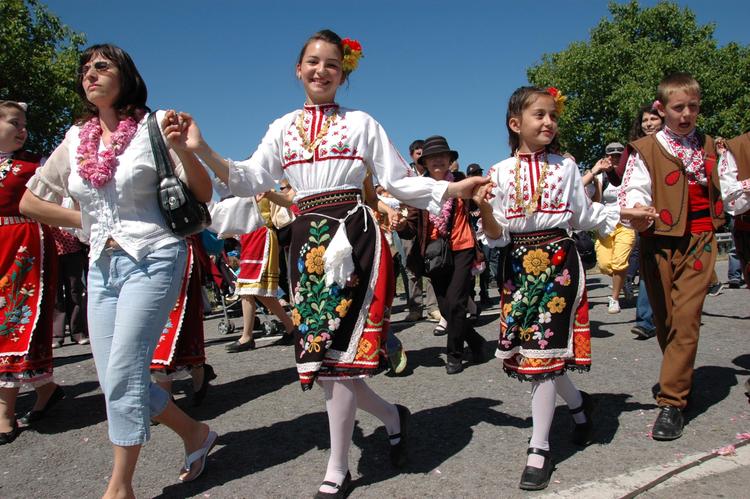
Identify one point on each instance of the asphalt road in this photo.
(468, 436)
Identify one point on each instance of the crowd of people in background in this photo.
(336, 217)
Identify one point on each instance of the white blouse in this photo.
(125, 208)
(562, 204)
(736, 198)
(354, 143)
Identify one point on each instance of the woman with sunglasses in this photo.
(106, 165)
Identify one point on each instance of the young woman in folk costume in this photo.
(106, 164)
(534, 199)
(28, 280)
(340, 272)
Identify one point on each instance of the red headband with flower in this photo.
(559, 99)
(352, 54)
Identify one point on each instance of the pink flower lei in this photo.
(441, 221)
(99, 168)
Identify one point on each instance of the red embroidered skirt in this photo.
(341, 331)
(28, 282)
(544, 319)
(181, 343)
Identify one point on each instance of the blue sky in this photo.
(430, 67)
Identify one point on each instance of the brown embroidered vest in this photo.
(740, 149)
(669, 186)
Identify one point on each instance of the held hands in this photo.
(483, 193)
(181, 131)
(603, 165)
(721, 145)
(640, 217)
(466, 187)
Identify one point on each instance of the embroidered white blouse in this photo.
(563, 203)
(735, 193)
(125, 208)
(354, 143)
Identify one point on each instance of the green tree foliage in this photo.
(39, 59)
(610, 76)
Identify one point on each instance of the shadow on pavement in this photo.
(609, 407)
(224, 397)
(72, 359)
(436, 435)
(71, 413)
(711, 385)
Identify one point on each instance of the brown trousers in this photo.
(677, 285)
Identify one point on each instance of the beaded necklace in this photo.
(308, 148)
(531, 205)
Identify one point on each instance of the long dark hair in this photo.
(636, 131)
(521, 99)
(133, 92)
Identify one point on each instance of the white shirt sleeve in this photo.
(263, 169)
(395, 174)
(636, 183)
(736, 200)
(587, 214)
(498, 212)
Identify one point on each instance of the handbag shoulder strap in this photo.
(161, 155)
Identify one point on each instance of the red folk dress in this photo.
(28, 280)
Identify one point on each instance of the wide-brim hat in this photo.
(436, 145)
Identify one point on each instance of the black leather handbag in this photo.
(437, 255)
(184, 214)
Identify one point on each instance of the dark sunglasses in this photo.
(99, 66)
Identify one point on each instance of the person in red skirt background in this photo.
(28, 279)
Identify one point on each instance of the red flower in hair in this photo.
(553, 91)
(559, 99)
(352, 44)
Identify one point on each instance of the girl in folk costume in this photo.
(341, 275)
(180, 348)
(28, 280)
(259, 275)
(535, 198)
(106, 164)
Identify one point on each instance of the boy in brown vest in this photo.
(674, 171)
(734, 170)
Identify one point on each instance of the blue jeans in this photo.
(644, 316)
(128, 305)
(734, 269)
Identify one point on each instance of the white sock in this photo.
(543, 395)
(341, 406)
(572, 396)
(371, 402)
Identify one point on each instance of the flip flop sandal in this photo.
(197, 459)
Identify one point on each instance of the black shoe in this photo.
(668, 425)
(236, 346)
(583, 432)
(439, 331)
(536, 478)
(454, 366)
(734, 285)
(200, 394)
(8, 437)
(399, 451)
(642, 333)
(341, 492)
(57, 343)
(34, 416)
(715, 289)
